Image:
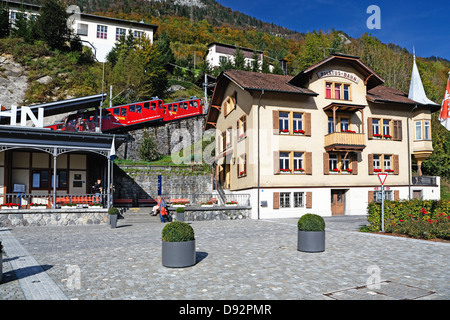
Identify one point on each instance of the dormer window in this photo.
(337, 91)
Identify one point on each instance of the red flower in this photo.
(423, 211)
(402, 220)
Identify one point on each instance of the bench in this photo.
(126, 202)
(151, 202)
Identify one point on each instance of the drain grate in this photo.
(386, 290)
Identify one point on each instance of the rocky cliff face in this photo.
(13, 82)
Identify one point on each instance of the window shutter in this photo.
(276, 200)
(308, 164)
(326, 165)
(398, 135)
(396, 164)
(370, 164)
(396, 195)
(308, 200)
(307, 123)
(369, 128)
(276, 122)
(371, 194)
(276, 162)
(355, 163)
(245, 163)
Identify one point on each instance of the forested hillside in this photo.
(184, 31)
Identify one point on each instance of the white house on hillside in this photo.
(219, 53)
(101, 33)
(97, 32)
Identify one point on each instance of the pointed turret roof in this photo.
(416, 90)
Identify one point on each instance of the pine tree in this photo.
(4, 21)
(52, 24)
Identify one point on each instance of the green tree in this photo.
(148, 150)
(239, 59)
(163, 45)
(52, 24)
(255, 61)
(4, 21)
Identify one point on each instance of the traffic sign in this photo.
(382, 177)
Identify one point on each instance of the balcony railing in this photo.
(424, 181)
(342, 141)
(29, 201)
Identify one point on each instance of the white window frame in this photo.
(333, 161)
(283, 121)
(120, 32)
(298, 160)
(297, 123)
(285, 199)
(102, 32)
(284, 160)
(299, 199)
(376, 161)
(418, 130)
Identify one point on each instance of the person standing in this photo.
(162, 209)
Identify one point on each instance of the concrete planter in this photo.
(311, 241)
(113, 220)
(178, 254)
(179, 216)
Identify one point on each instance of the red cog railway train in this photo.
(131, 116)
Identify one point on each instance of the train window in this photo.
(117, 111)
(123, 112)
(146, 105)
(175, 107)
(185, 105)
(138, 108)
(160, 105)
(170, 107)
(132, 108)
(153, 106)
(196, 104)
(190, 104)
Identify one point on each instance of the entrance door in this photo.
(337, 202)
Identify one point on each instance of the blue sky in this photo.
(422, 24)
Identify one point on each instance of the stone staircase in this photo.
(138, 215)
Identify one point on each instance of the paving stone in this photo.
(236, 259)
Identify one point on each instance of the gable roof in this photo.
(265, 81)
(372, 79)
(250, 81)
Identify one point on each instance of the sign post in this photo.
(382, 177)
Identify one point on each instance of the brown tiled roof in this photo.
(265, 81)
(382, 94)
(386, 94)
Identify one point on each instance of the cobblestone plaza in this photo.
(238, 259)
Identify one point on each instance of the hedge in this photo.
(428, 219)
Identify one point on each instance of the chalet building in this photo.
(219, 53)
(317, 141)
(97, 32)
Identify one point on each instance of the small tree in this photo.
(148, 150)
(4, 21)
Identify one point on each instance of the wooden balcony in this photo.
(345, 141)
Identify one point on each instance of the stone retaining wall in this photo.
(53, 218)
(207, 215)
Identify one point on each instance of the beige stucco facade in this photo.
(359, 154)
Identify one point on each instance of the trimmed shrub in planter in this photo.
(113, 215)
(311, 233)
(178, 245)
(180, 214)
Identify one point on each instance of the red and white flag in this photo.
(444, 117)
